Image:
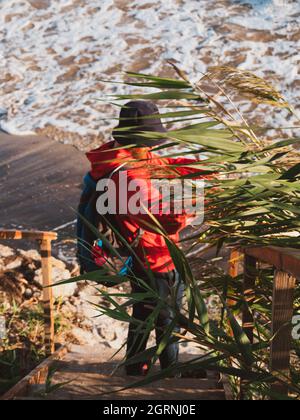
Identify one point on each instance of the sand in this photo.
(40, 182)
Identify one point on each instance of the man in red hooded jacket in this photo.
(140, 164)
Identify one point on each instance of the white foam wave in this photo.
(53, 54)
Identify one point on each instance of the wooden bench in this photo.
(44, 239)
(286, 263)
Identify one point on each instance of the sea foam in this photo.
(55, 54)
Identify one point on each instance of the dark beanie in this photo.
(139, 116)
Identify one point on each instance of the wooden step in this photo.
(87, 375)
(102, 387)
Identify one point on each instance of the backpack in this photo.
(91, 246)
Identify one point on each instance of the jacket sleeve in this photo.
(185, 170)
(188, 170)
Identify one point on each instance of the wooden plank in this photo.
(136, 394)
(249, 294)
(233, 269)
(284, 259)
(47, 295)
(227, 388)
(88, 386)
(37, 376)
(27, 234)
(282, 308)
(235, 258)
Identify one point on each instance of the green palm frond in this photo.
(252, 197)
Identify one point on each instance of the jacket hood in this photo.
(105, 159)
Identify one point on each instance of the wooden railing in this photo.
(286, 263)
(44, 239)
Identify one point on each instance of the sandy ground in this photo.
(40, 182)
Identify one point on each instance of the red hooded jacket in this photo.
(151, 248)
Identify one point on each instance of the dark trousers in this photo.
(167, 285)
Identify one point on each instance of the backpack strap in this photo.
(87, 208)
